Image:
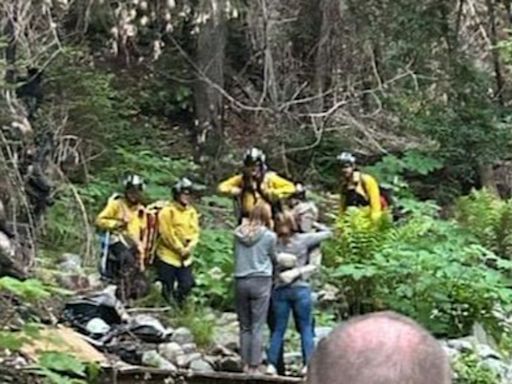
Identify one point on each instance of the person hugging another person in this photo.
(255, 247)
(292, 291)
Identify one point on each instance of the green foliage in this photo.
(66, 231)
(198, 320)
(489, 219)
(30, 290)
(469, 370)
(62, 368)
(214, 269)
(425, 268)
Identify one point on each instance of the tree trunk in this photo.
(500, 82)
(487, 179)
(323, 62)
(210, 79)
(10, 49)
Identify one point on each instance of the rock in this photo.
(228, 336)
(321, 332)
(230, 364)
(70, 263)
(73, 281)
(154, 359)
(220, 350)
(201, 365)
(486, 352)
(189, 348)
(293, 358)
(171, 351)
(463, 345)
(97, 326)
(148, 328)
(227, 318)
(482, 337)
(184, 361)
(94, 281)
(182, 336)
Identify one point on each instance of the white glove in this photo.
(286, 260)
(289, 276)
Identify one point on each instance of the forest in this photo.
(419, 91)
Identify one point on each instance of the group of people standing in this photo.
(276, 248)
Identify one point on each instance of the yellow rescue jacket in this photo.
(116, 212)
(366, 188)
(273, 186)
(178, 229)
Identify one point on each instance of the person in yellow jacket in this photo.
(178, 228)
(125, 221)
(359, 189)
(256, 183)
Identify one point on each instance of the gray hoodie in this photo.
(255, 251)
(300, 245)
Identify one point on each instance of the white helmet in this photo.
(134, 181)
(346, 158)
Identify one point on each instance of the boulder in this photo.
(201, 365)
(70, 263)
(189, 348)
(230, 364)
(228, 336)
(220, 350)
(184, 361)
(171, 351)
(154, 359)
(465, 344)
(182, 336)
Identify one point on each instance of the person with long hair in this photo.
(255, 245)
(292, 291)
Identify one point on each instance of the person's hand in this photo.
(185, 253)
(289, 276)
(123, 223)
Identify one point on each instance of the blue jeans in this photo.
(285, 300)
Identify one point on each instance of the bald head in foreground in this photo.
(379, 348)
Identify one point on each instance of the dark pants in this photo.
(119, 259)
(122, 269)
(172, 276)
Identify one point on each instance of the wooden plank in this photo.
(142, 375)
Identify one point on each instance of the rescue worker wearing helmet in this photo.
(178, 236)
(124, 220)
(358, 189)
(256, 183)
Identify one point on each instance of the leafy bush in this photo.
(469, 370)
(198, 320)
(426, 268)
(489, 219)
(64, 225)
(214, 269)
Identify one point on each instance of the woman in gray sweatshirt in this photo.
(292, 290)
(255, 246)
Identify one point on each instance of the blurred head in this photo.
(261, 214)
(298, 196)
(285, 225)
(133, 188)
(347, 163)
(182, 191)
(254, 163)
(379, 348)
